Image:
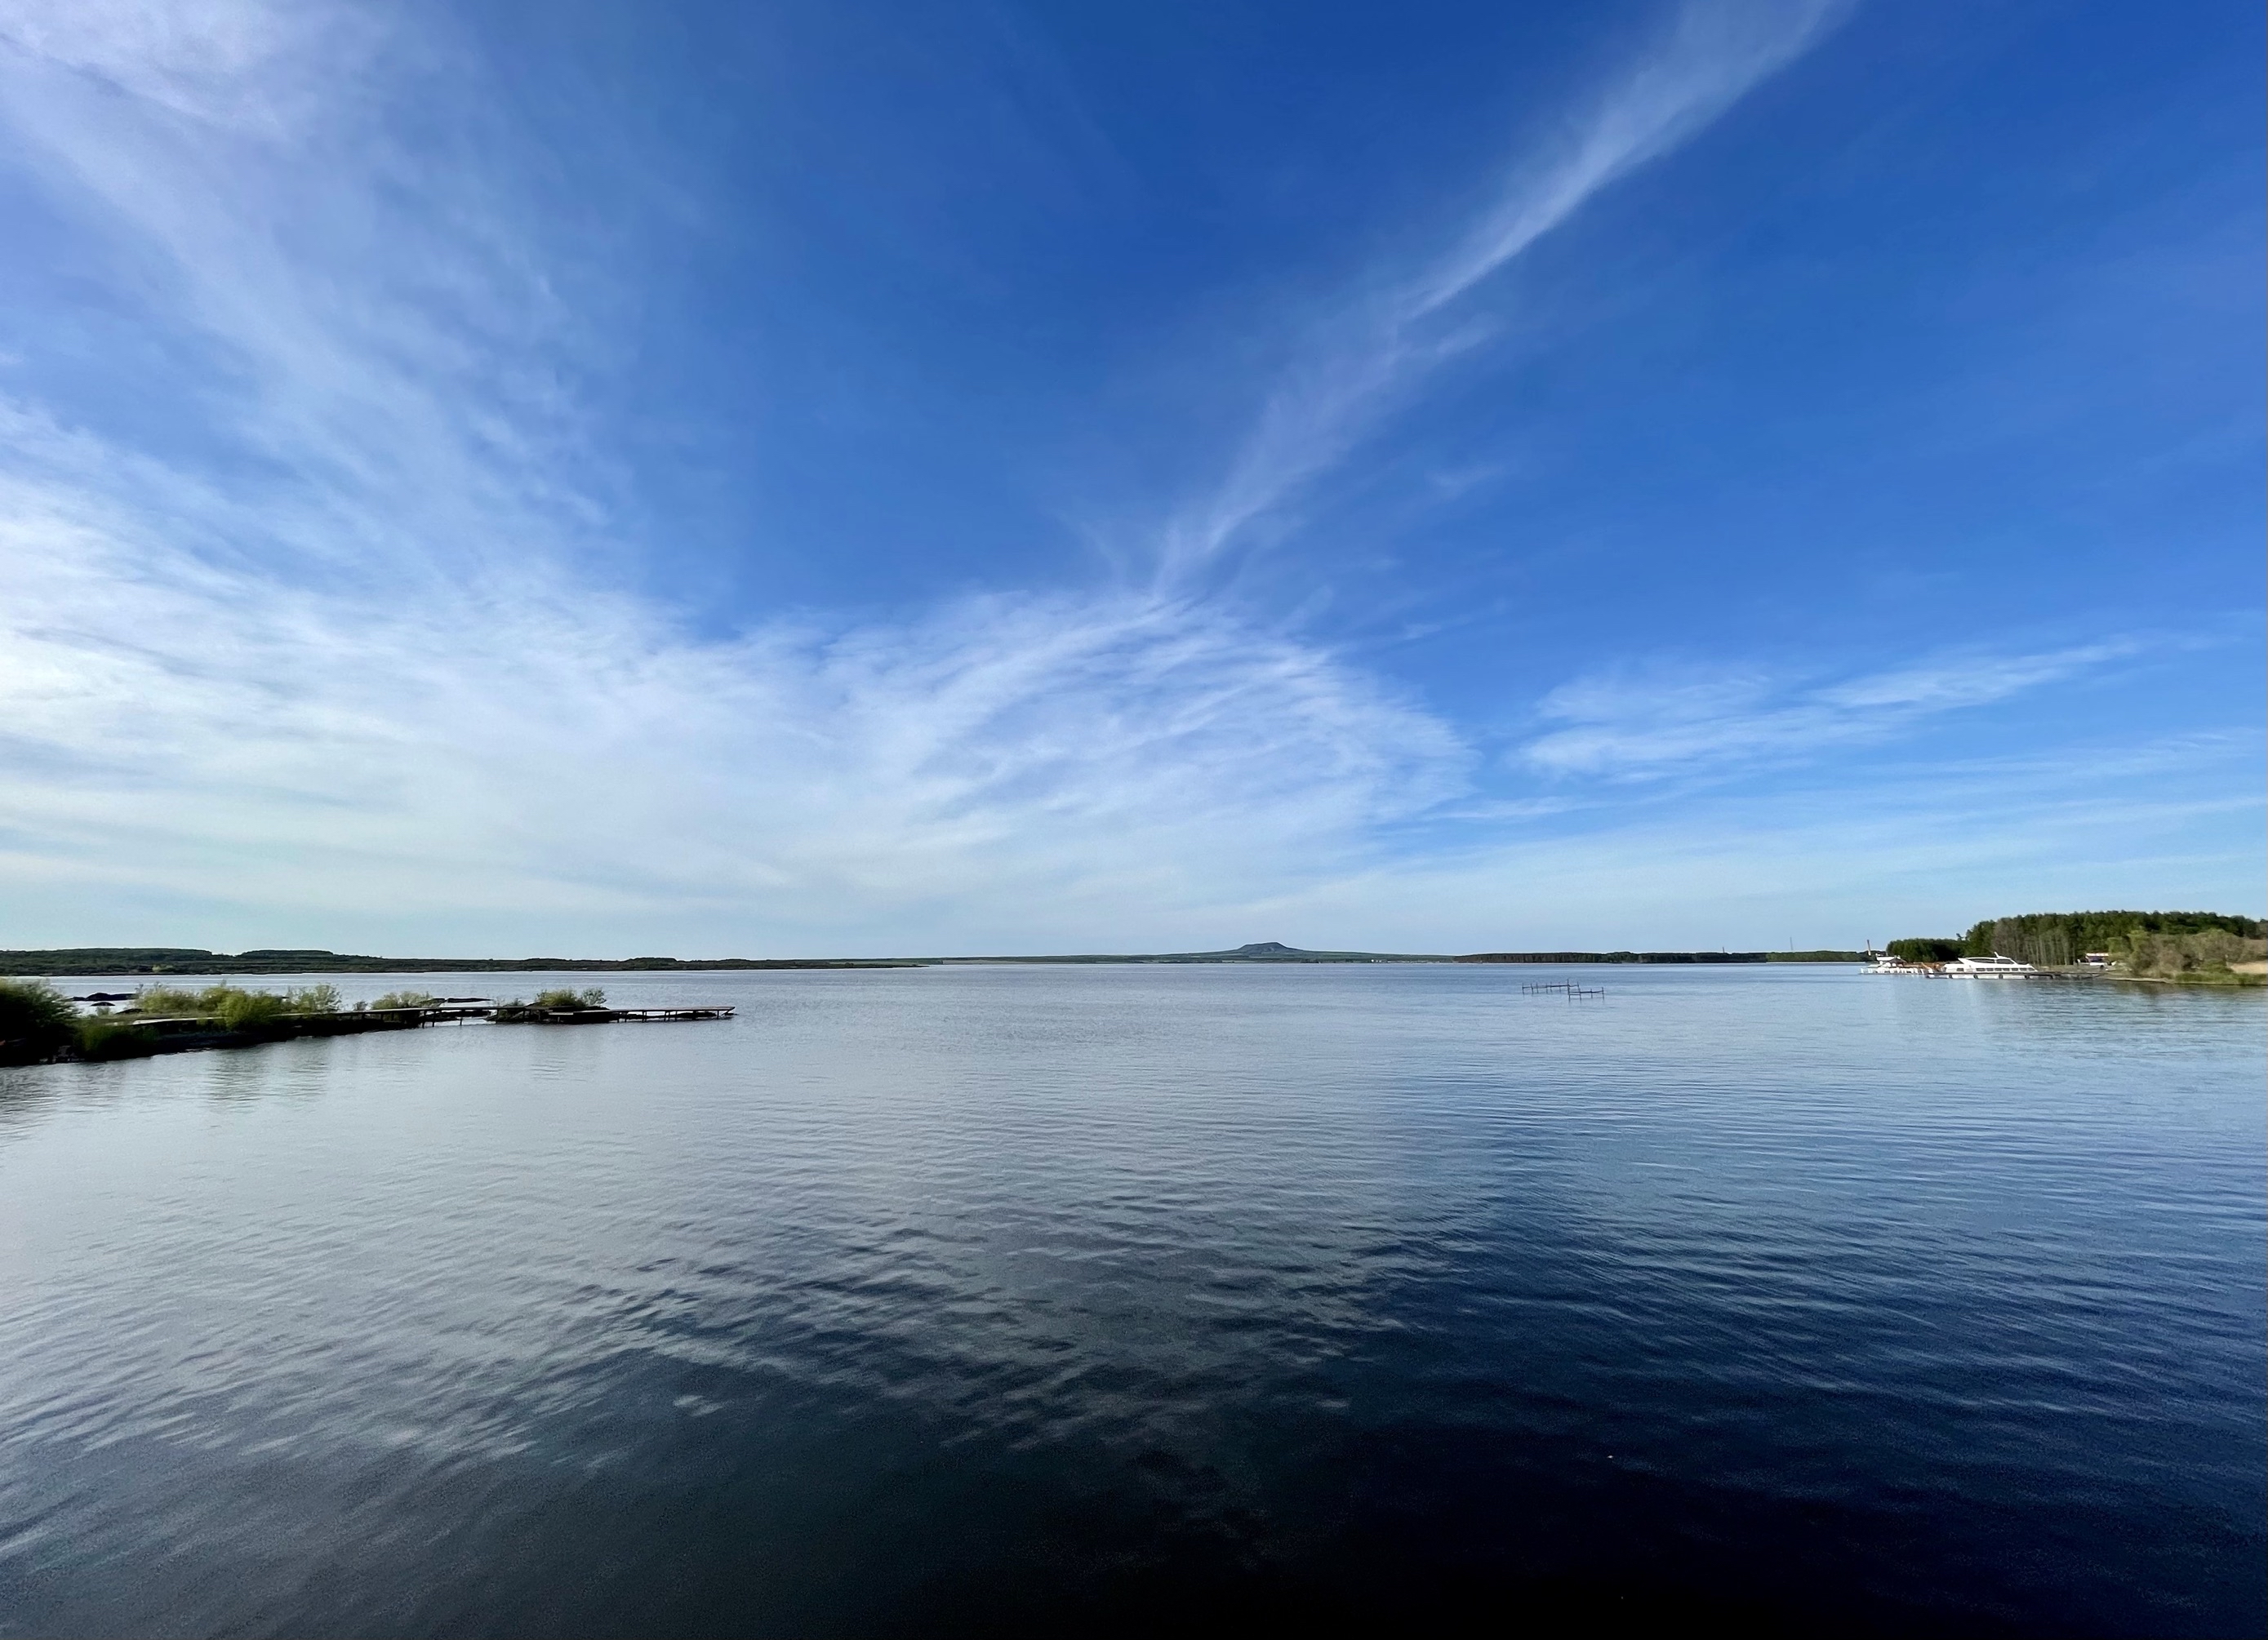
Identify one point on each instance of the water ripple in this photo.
(1008, 1298)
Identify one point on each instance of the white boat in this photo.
(1987, 968)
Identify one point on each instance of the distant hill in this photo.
(1259, 950)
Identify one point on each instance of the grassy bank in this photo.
(39, 1023)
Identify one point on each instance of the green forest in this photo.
(2202, 945)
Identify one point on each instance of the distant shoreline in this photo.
(159, 960)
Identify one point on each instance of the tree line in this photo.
(2164, 944)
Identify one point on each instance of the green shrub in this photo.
(166, 1001)
(406, 999)
(518, 1012)
(35, 1020)
(231, 1006)
(2205, 955)
(241, 1011)
(114, 1038)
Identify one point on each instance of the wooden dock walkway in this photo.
(524, 1014)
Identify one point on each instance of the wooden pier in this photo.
(521, 1013)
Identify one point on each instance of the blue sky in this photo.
(802, 479)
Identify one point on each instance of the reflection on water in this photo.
(999, 1298)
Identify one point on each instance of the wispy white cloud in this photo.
(1377, 346)
(381, 331)
(1644, 723)
(215, 62)
(372, 672)
(1002, 762)
(367, 681)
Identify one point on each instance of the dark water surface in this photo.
(997, 1298)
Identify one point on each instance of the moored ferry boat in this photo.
(1987, 968)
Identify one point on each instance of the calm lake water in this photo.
(997, 1298)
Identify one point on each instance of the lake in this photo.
(1006, 1298)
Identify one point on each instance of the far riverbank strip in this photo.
(104, 961)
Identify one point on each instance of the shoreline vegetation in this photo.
(40, 1024)
(2156, 947)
